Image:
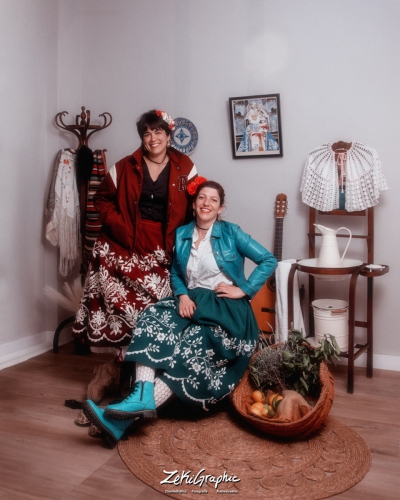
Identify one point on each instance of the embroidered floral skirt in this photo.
(202, 359)
(120, 285)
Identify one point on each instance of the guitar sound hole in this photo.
(271, 284)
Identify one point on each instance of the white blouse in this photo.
(202, 269)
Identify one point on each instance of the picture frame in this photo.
(256, 126)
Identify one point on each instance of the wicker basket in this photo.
(241, 398)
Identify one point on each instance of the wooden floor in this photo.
(44, 455)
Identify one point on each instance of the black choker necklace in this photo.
(202, 228)
(156, 162)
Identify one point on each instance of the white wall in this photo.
(28, 143)
(333, 63)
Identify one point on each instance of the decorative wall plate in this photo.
(185, 136)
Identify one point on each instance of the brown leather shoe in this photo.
(107, 376)
(82, 419)
(94, 431)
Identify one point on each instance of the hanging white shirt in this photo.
(202, 270)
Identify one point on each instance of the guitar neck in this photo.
(278, 238)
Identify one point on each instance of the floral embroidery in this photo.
(190, 361)
(118, 290)
(241, 348)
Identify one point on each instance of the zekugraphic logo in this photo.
(198, 479)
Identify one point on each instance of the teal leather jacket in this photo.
(230, 247)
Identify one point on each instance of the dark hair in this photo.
(152, 121)
(212, 185)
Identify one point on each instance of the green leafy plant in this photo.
(293, 364)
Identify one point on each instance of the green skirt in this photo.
(203, 358)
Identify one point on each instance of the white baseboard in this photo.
(380, 361)
(386, 362)
(20, 350)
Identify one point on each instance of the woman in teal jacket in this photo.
(230, 246)
(201, 339)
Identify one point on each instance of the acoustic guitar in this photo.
(263, 303)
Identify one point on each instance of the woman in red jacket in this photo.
(141, 202)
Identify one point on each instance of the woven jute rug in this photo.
(239, 460)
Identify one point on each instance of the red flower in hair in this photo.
(165, 116)
(192, 187)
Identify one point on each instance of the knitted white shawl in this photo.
(62, 211)
(364, 178)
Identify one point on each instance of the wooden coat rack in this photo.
(80, 130)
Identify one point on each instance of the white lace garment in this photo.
(363, 177)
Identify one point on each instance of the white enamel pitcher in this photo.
(329, 252)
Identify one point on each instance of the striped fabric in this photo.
(92, 227)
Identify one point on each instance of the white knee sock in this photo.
(161, 392)
(144, 373)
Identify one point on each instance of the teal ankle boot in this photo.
(139, 403)
(112, 429)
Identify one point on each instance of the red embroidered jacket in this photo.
(117, 202)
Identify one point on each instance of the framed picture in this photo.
(256, 126)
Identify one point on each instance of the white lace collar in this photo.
(364, 178)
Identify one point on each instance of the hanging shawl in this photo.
(92, 226)
(362, 172)
(62, 211)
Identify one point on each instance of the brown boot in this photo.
(107, 376)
